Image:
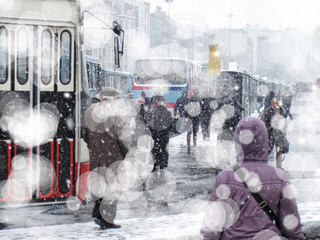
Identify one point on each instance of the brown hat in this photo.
(109, 92)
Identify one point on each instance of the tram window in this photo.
(22, 56)
(3, 55)
(65, 60)
(46, 57)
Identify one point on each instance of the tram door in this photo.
(37, 142)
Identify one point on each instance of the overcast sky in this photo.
(275, 14)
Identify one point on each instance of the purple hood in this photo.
(251, 136)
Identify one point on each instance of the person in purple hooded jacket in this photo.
(232, 212)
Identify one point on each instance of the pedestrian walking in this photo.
(159, 122)
(274, 118)
(193, 112)
(206, 113)
(234, 211)
(180, 107)
(233, 111)
(268, 99)
(156, 98)
(107, 134)
(147, 102)
(286, 103)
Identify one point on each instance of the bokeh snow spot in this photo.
(262, 90)
(246, 137)
(229, 110)
(290, 221)
(195, 206)
(279, 122)
(30, 127)
(288, 192)
(28, 172)
(220, 215)
(145, 143)
(223, 191)
(73, 203)
(266, 234)
(193, 109)
(161, 185)
(225, 155)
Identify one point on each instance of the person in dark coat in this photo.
(193, 112)
(108, 137)
(232, 212)
(159, 122)
(180, 107)
(268, 99)
(272, 117)
(207, 110)
(234, 107)
(286, 103)
(147, 102)
(157, 98)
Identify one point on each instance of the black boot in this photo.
(96, 211)
(106, 225)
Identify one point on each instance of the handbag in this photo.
(261, 202)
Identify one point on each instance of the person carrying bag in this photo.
(233, 211)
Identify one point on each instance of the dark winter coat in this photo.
(206, 109)
(107, 134)
(268, 114)
(233, 213)
(231, 122)
(193, 109)
(180, 106)
(159, 122)
(286, 103)
(276, 135)
(268, 99)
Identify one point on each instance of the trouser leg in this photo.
(188, 143)
(109, 212)
(278, 158)
(96, 208)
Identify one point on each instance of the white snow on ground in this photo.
(182, 226)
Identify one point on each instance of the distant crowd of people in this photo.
(192, 111)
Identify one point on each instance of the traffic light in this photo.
(214, 60)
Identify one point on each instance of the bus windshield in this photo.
(161, 72)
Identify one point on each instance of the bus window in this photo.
(150, 71)
(46, 57)
(65, 60)
(22, 56)
(3, 55)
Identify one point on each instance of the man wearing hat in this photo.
(106, 130)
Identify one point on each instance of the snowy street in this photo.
(178, 216)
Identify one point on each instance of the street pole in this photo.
(230, 15)
(169, 1)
